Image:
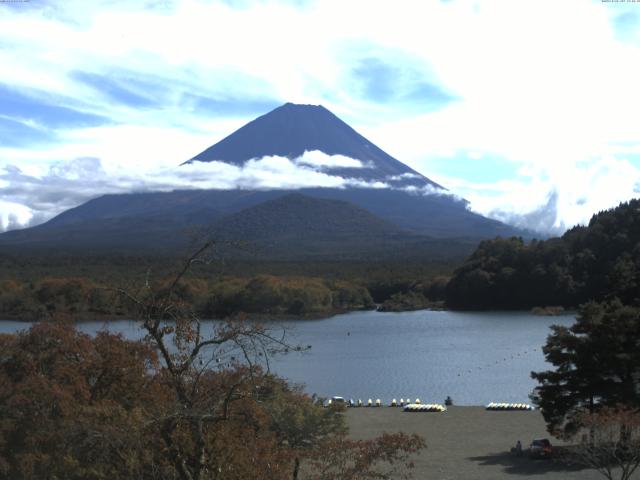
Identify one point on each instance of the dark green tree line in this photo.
(599, 262)
(596, 365)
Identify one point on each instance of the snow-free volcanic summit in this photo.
(383, 208)
(291, 130)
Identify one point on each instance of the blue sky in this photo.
(526, 108)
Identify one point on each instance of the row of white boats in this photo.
(429, 407)
(418, 406)
(407, 404)
(509, 406)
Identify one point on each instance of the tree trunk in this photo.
(296, 468)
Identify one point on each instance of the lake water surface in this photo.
(476, 358)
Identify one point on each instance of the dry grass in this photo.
(468, 442)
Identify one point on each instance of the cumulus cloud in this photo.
(424, 79)
(14, 215)
(551, 200)
(316, 158)
(262, 173)
(543, 219)
(403, 176)
(30, 198)
(431, 190)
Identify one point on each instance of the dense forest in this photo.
(86, 287)
(174, 405)
(83, 299)
(599, 261)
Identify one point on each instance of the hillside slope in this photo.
(599, 261)
(168, 221)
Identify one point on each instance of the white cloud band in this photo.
(30, 198)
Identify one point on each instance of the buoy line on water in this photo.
(499, 363)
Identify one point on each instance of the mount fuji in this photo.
(380, 206)
(292, 130)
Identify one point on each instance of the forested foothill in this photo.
(174, 405)
(264, 294)
(591, 397)
(600, 261)
(36, 287)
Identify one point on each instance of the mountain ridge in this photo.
(291, 130)
(163, 221)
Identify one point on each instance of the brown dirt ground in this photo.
(469, 443)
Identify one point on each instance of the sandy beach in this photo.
(469, 442)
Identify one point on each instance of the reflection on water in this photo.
(476, 358)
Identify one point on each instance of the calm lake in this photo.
(476, 358)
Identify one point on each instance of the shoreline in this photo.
(273, 317)
(266, 317)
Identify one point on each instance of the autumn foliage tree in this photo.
(73, 406)
(385, 457)
(179, 404)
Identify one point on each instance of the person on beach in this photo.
(518, 448)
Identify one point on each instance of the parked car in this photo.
(540, 448)
(335, 402)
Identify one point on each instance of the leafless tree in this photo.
(235, 346)
(609, 442)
